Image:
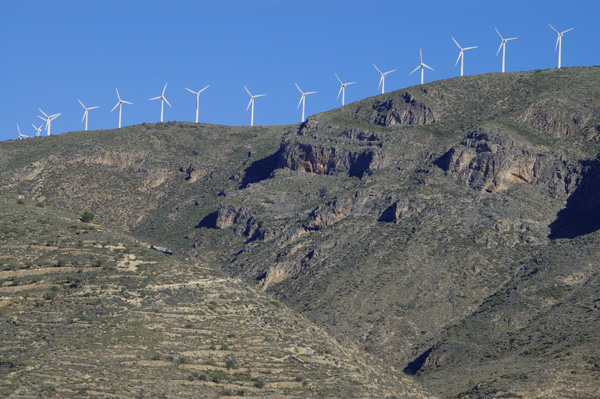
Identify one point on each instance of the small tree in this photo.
(87, 217)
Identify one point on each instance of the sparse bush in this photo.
(50, 296)
(87, 217)
(230, 362)
(259, 383)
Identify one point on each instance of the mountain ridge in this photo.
(388, 221)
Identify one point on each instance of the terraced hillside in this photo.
(391, 222)
(86, 312)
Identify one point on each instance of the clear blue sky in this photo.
(54, 52)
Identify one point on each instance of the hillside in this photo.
(394, 222)
(87, 312)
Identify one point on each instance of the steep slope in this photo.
(86, 312)
(542, 325)
(386, 221)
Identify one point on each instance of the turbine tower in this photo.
(252, 103)
(303, 99)
(342, 89)
(422, 65)
(197, 99)
(559, 41)
(21, 135)
(38, 130)
(162, 102)
(85, 113)
(461, 56)
(48, 120)
(382, 79)
(503, 47)
(120, 105)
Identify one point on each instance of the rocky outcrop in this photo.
(402, 110)
(193, 172)
(324, 159)
(491, 160)
(243, 220)
(401, 209)
(558, 117)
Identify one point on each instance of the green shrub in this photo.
(87, 217)
(50, 296)
(259, 383)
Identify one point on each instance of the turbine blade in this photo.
(499, 48)
(501, 38)
(458, 59)
(377, 69)
(191, 91)
(350, 83)
(54, 116)
(415, 70)
(457, 45)
(565, 31)
(471, 48)
(427, 66)
(115, 106)
(380, 81)
(340, 92)
(259, 95)
(126, 102)
(299, 89)
(557, 41)
(44, 119)
(118, 96)
(167, 101)
(421, 55)
(338, 78)
(84, 114)
(46, 115)
(163, 92)
(248, 92)
(155, 98)
(511, 38)
(310, 92)
(554, 29)
(203, 89)
(81, 103)
(300, 102)
(393, 70)
(93, 107)
(250, 103)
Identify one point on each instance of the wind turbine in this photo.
(559, 41)
(382, 79)
(252, 103)
(461, 56)
(120, 105)
(162, 102)
(422, 65)
(197, 99)
(38, 130)
(21, 135)
(85, 114)
(303, 99)
(503, 47)
(342, 89)
(48, 120)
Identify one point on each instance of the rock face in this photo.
(403, 110)
(244, 221)
(322, 159)
(491, 160)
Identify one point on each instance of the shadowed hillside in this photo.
(389, 222)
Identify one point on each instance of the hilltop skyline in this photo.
(60, 52)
